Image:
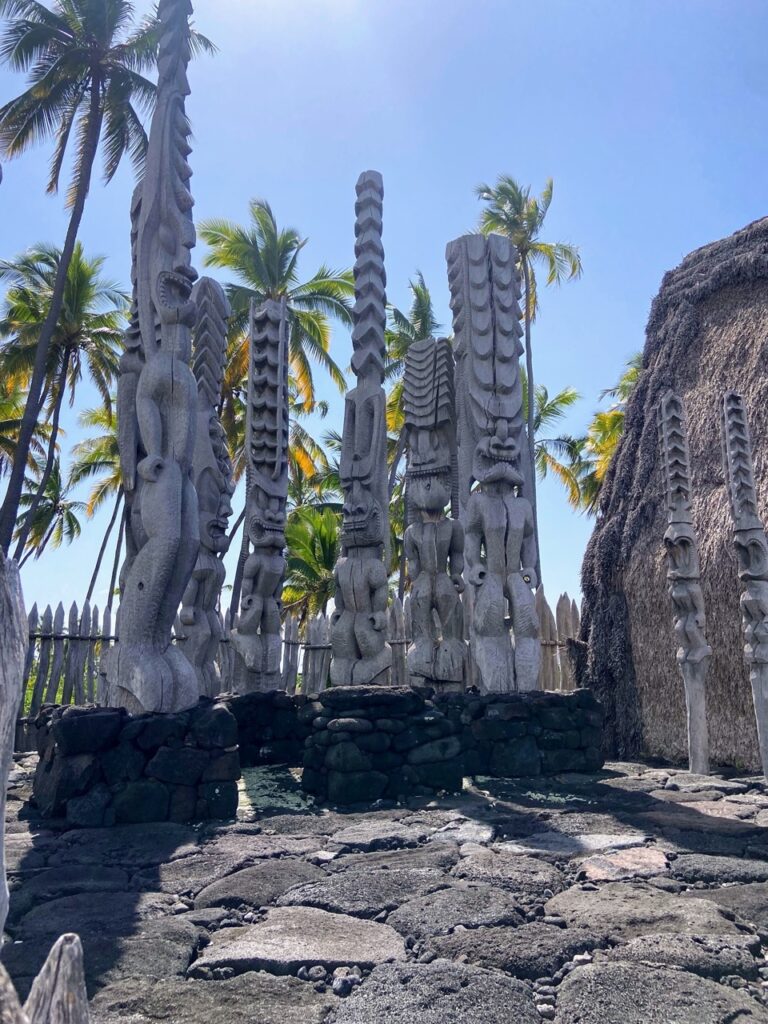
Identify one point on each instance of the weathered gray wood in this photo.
(81, 649)
(43, 661)
(90, 660)
(106, 643)
(10, 1008)
(397, 642)
(547, 640)
(59, 651)
(70, 669)
(290, 653)
(13, 649)
(32, 624)
(58, 994)
(564, 633)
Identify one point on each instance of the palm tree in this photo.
(97, 458)
(403, 329)
(85, 61)
(312, 539)
(559, 453)
(87, 337)
(512, 211)
(55, 519)
(596, 450)
(264, 259)
(12, 398)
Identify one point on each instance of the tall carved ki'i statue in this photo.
(751, 546)
(499, 546)
(684, 576)
(361, 654)
(157, 402)
(214, 485)
(434, 544)
(257, 638)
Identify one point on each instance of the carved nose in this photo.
(502, 430)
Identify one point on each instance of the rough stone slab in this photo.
(628, 909)
(697, 867)
(66, 880)
(292, 937)
(161, 949)
(258, 886)
(365, 893)
(241, 1000)
(721, 809)
(531, 951)
(244, 849)
(433, 857)
(188, 875)
(367, 836)
(567, 847)
(639, 862)
(748, 902)
(440, 912)
(524, 876)
(465, 830)
(437, 993)
(129, 846)
(632, 994)
(113, 913)
(711, 956)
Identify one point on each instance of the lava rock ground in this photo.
(637, 893)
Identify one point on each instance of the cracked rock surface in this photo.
(630, 895)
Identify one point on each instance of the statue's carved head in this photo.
(683, 556)
(752, 553)
(173, 295)
(214, 498)
(363, 522)
(429, 468)
(497, 455)
(266, 523)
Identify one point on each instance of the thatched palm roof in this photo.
(707, 332)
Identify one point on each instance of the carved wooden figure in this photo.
(361, 654)
(212, 468)
(752, 552)
(683, 575)
(157, 402)
(257, 638)
(500, 545)
(434, 543)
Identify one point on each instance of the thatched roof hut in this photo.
(707, 332)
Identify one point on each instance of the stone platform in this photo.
(624, 896)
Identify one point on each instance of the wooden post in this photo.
(13, 649)
(54, 679)
(58, 994)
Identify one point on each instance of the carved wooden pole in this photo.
(752, 552)
(361, 654)
(683, 575)
(434, 544)
(500, 543)
(257, 639)
(157, 402)
(212, 469)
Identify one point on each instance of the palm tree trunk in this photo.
(10, 507)
(103, 548)
(531, 411)
(61, 384)
(237, 583)
(116, 562)
(396, 463)
(43, 545)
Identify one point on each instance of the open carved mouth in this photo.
(175, 286)
(424, 472)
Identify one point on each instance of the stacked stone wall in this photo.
(102, 766)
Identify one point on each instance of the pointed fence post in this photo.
(13, 648)
(43, 663)
(57, 664)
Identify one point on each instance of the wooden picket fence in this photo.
(65, 652)
(556, 672)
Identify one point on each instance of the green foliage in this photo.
(312, 538)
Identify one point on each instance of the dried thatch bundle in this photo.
(707, 332)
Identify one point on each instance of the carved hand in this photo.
(379, 621)
(187, 616)
(458, 581)
(476, 575)
(150, 467)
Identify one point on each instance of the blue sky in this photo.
(649, 114)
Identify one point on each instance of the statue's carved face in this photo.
(752, 553)
(680, 545)
(362, 524)
(497, 456)
(214, 502)
(174, 295)
(429, 468)
(266, 526)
